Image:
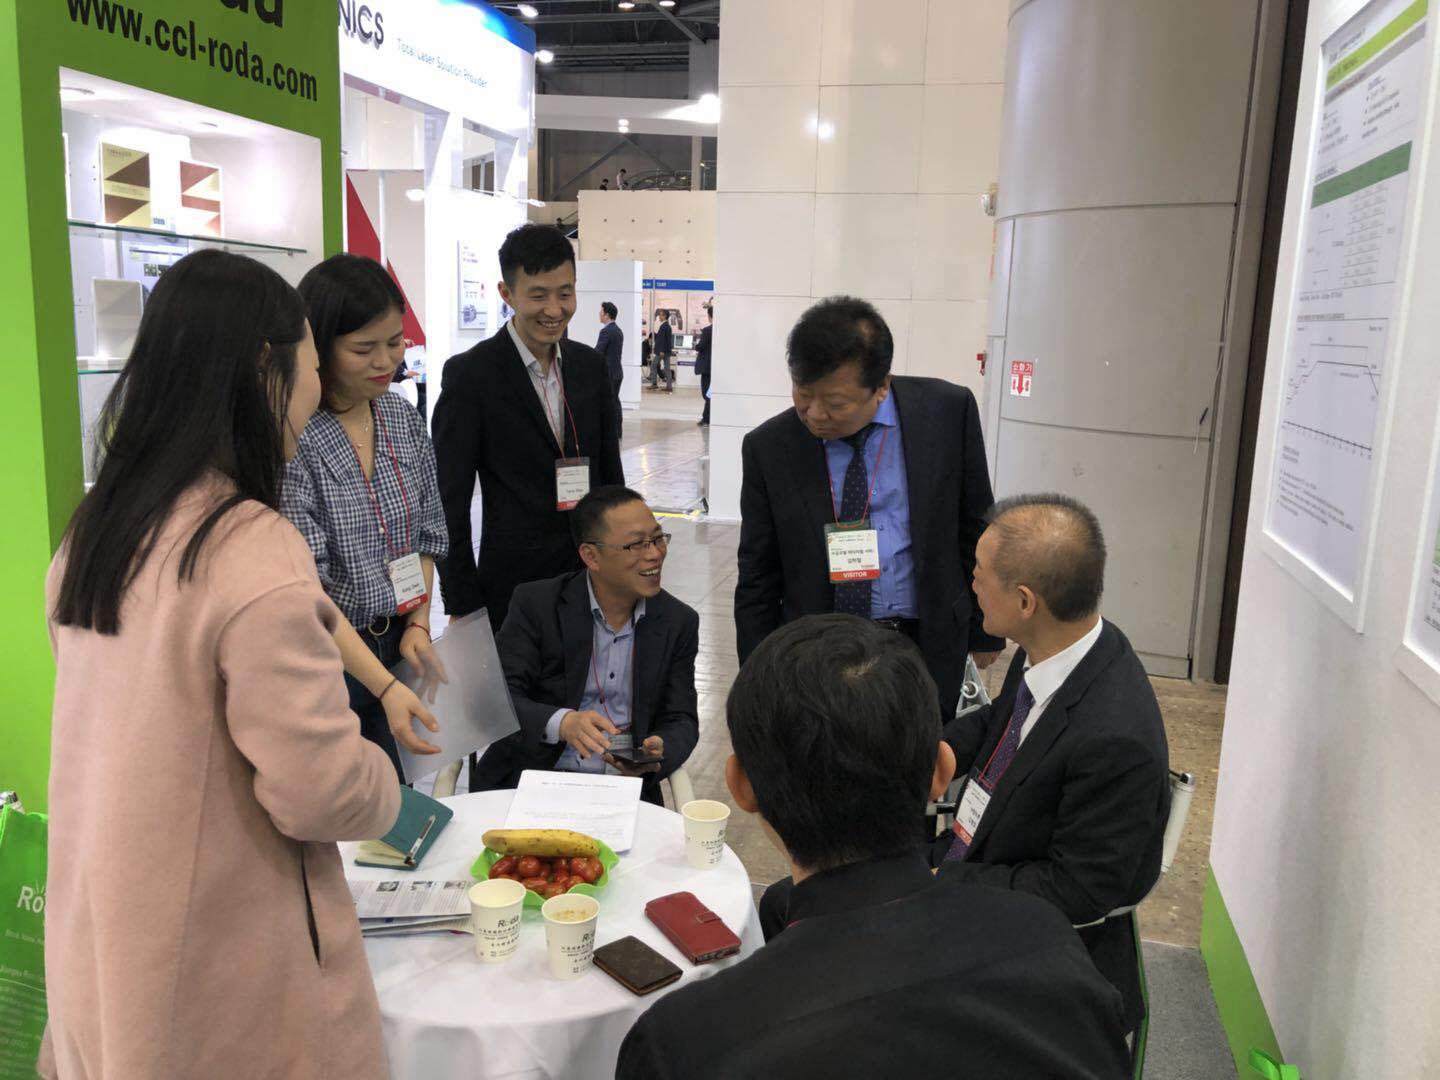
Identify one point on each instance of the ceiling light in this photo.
(625, 5)
(527, 10)
(536, 202)
(667, 3)
(415, 194)
(544, 56)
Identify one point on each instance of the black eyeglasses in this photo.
(659, 543)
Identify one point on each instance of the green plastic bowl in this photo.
(608, 859)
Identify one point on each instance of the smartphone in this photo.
(635, 966)
(636, 757)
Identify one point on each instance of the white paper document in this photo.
(473, 708)
(410, 899)
(604, 807)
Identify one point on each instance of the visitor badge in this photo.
(854, 551)
(973, 801)
(408, 580)
(572, 482)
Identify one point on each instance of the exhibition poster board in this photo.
(1339, 377)
(274, 63)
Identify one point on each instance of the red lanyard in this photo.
(374, 499)
(595, 672)
(564, 400)
(875, 483)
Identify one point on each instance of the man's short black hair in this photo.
(587, 520)
(610, 309)
(535, 249)
(835, 332)
(1053, 544)
(837, 724)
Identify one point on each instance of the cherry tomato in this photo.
(578, 864)
(529, 866)
(534, 884)
(551, 890)
(504, 867)
(589, 872)
(560, 866)
(598, 867)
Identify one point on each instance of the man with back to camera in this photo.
(536, 423)
(702, 361)
(1069, 787)
(611, 346)
(866, 498)
(884, 969)
(601, 660)
(661, 353)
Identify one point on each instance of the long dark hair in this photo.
(345, 293)
(200, 391)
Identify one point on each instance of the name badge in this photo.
(408, 579)
(572, 481)
(854, 551)
(973, 801)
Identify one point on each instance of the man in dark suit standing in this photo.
(702, 360)
(662, 353)
(611, 346)
(881, 969)
(535, 421)
(600, 661)
(866, 498)
(1068, 791)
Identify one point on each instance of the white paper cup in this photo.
(495, 907)
(570, 933)
(705, 821)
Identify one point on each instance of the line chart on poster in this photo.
(1333, 392)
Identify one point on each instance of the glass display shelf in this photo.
(97, 229)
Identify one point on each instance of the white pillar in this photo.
(855, 141)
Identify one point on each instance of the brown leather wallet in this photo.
(635, 965)
(692, 927)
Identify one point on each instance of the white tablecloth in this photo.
(446, 1015)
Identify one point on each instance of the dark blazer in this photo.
(611, 346)
(1079, 816)
(785, 505)
(489, 422)
(664, 339)
(890, 972)
(545, 648)
(702, 352)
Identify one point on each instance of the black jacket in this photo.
(545, 648)
(664, 340)
(489, 422)
(702, 352)
(1078, 818)
(891, 972)
(785, 504)
(611, 346)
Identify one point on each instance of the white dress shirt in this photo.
(547, 385)
(1046, 677)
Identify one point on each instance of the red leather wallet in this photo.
(692, 927)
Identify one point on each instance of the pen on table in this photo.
(419, 840)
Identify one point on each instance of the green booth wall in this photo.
(174, 47)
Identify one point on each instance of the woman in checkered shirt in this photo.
(363, 492)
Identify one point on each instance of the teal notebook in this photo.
(404, 846)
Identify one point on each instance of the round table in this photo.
(444, 1013)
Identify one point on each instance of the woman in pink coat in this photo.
(204, 761)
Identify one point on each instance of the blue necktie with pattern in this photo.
(999, 761)
(853, 597)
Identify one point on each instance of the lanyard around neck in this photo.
(874, 480)
(370, 488)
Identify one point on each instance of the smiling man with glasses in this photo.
(601, 661)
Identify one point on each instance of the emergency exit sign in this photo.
(1021, 373)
